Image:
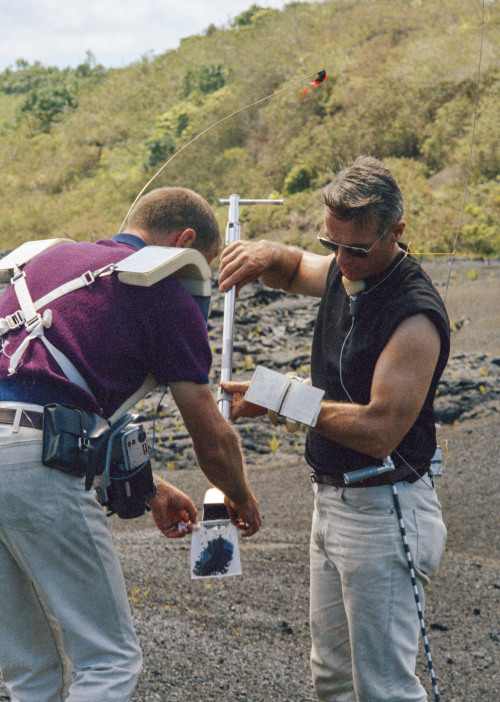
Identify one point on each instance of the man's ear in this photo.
(185, 239)
(397, 230)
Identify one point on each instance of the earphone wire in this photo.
(367, 292)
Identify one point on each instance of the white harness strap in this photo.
(33, 320)
(148, 385)
(86, 279)
(36, 332)
(17, 319)
(35, 323)
(67, 367)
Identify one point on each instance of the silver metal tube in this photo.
(364, 473)
(252, 202)
(232, 234)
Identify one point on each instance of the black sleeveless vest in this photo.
(386, 301)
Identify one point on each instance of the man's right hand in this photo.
(277, 266)
(245, 515)
(242, 262)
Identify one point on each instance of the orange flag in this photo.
(321, 77)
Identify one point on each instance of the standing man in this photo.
(379, 358)
(66, 630)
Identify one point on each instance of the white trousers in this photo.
(364, 622)
(66, 631)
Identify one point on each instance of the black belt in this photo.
(403, 473)
(29, 418)
(326, 480)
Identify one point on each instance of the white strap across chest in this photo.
(35, 323)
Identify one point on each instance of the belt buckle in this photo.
(88, 278)
(33, 322)
(15, 320)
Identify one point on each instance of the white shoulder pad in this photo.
(23, 254)
(153, 263)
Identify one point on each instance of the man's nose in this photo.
(342, 256)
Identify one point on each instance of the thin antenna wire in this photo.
(416, 594)
(470, 152)
(215, 124)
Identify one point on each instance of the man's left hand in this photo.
(241, 407)
(173, 512)
(245, 515)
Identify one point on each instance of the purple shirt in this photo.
(114, 333)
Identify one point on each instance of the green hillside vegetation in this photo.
(78, 145)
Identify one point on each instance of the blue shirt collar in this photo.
(130, 239)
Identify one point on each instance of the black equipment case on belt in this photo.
(74, 441)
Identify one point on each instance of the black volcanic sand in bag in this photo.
(215, 559)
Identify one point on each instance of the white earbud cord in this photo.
(367, 292)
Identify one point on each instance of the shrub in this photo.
(206, 78)
(298, 180)
(160, 149)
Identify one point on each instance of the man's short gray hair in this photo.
(365, 192)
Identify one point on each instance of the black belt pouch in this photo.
(74, 441)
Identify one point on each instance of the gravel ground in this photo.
(247, 637)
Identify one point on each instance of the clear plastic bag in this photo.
(215, 551)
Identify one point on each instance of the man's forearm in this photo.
(359, 427)
(296, 271)
(242, 262)
(276, 265)
(222, 463)
(217, 450)
(283, 266)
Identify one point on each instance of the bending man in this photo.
(379, 358)
(66, 631)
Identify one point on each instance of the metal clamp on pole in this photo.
(232, 234)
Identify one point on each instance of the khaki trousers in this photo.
(66, 631)
(364, 623)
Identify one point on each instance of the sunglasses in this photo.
(356, 251)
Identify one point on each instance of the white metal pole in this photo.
(232, 234)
